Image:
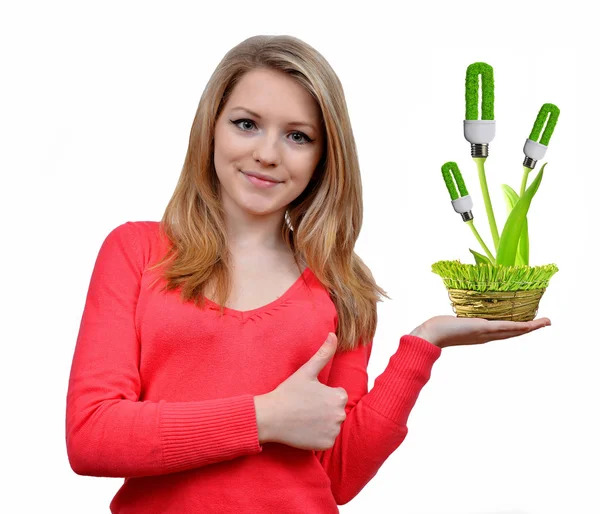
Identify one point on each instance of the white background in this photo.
(97, 100)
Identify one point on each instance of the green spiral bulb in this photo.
(452, 167)
(472, 91)
(546, 109)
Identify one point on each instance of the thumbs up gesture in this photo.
(301, 411)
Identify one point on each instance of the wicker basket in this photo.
(494, 292)
(496, 305)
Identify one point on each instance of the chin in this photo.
(256, 207)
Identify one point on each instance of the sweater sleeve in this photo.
(375, 423)
(109, 432)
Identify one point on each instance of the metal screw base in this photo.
(479, 150)
(467, 216)
(529, 162)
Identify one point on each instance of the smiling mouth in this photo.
(262, 179)
(260, 183)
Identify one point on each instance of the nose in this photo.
(266, 152)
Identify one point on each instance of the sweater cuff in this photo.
(195, 434)
(395, 391)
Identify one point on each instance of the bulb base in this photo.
(529, 162)
(479, 131)
(479, 149)
(463, 204)
(534, 152)
(467, 216)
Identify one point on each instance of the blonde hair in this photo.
(321, 225)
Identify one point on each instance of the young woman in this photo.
(200, 372)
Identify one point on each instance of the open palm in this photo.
(446, 331)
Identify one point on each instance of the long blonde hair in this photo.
(321, 225)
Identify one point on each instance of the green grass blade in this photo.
(507, 248)
(480, 258)
(511, 197)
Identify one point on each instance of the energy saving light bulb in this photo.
(534, 150)
(464, 203)
(479, 132)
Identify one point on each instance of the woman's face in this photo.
(270, 125)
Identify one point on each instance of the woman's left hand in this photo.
(446, 331)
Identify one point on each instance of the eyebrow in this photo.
(256, 115)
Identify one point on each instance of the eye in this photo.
(237, 124)
(304, 139)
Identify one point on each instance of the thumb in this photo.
(324, 354)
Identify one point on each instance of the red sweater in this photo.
(162, 394)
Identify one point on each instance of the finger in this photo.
(520, 326)
(320, 359)
(538, 323)
(507, 334)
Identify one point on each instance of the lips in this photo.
(262, 177)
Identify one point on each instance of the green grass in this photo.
(472, 91)
(548, 112)
(489, 277)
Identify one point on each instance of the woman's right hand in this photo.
(301, 411)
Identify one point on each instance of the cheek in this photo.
(225, 141)
(221, 145)
(303, 159)
(306, 164)
(231, 150)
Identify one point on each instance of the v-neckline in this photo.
(246, 314)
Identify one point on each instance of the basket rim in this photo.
(490, 277)
(457, 263)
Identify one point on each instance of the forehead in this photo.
(274, 94)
